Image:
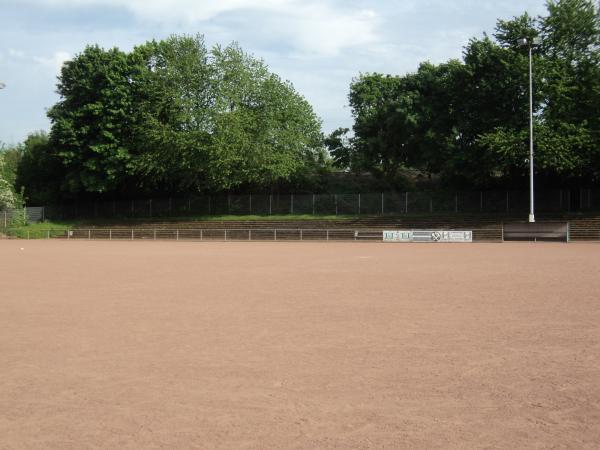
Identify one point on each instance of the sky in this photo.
(318, 45)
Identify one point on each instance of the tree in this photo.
(174, 116)
(229, 121)
(7, 195)
(40, 172)
(401, 122)
(468, 120)
(91, 122)
(384, 126)
(571, 119)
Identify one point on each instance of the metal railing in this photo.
(202, 234)
(226, 234)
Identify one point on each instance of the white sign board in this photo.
(427, 236)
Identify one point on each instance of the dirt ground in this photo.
(298, 345)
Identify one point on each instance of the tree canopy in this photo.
(173, 115)
(468, 120)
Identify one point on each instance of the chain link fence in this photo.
(388, 203)
(9, 217)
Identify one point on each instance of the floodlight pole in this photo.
(530, 43)
(531, 192)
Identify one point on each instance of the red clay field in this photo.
(298, 345)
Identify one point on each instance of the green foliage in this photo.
(175, 116)
(7, 195)
(41, 230)
(11, 156)
(39, 173)
(468, 121)
(91, 122)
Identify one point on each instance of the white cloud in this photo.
(177, 10)
(323, 31)
(53, 62)
(16, 54)
(310, 26)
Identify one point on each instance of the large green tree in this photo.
(173, 115)
(91, 123)
(468, 120)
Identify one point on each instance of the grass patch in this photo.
(226, 218)
(40, 230)
(222, 218)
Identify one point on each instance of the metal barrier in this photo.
(223, 234)
(215, 234)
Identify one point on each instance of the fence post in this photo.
(177, 234)
(327, 233)
(110, 234)
(275, 230)
(249, 234)
(154, 234)
(48, 237)
(201, 234)
(89, 234)
(560, 200)
(132, 234)
(336, 205)
(300, 233)
(225, 233)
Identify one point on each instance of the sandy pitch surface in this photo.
(298, 345)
